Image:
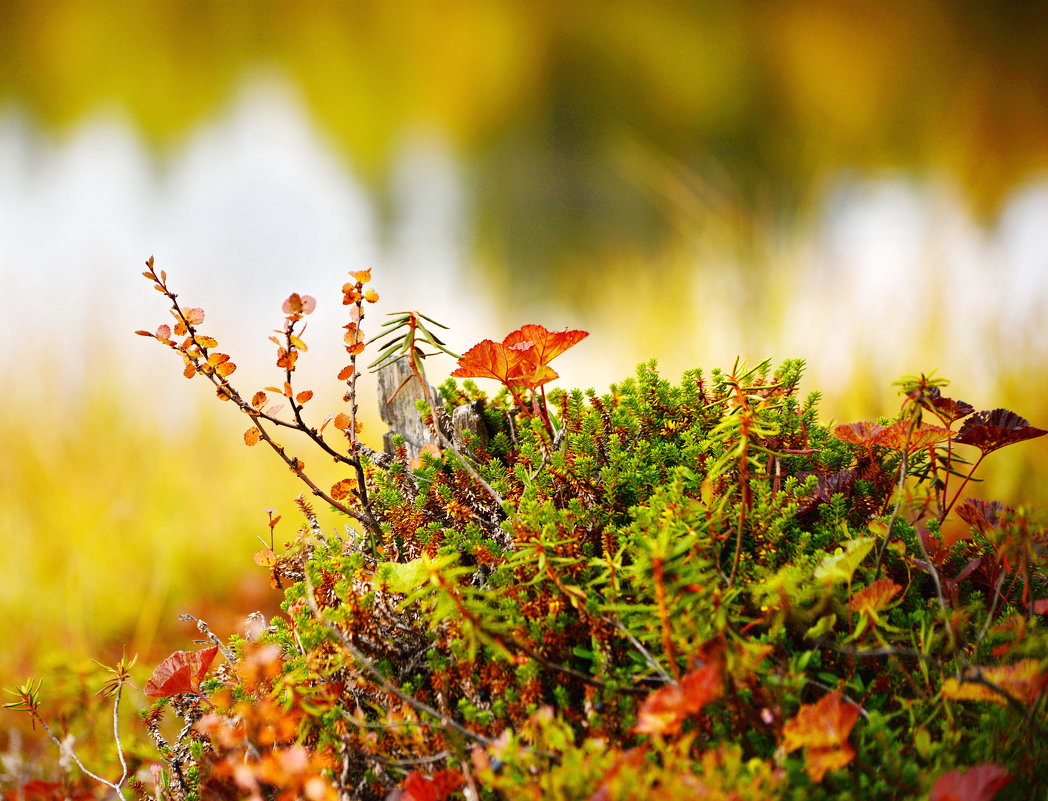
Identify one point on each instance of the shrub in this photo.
(669, 590)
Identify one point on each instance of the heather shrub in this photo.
(689, 589)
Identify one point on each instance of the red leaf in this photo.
(346, 373)
(437, 787)
(981, 783)
(163, 332)
(180, 673)
(950, 409)
(991, 430)
(982, 515)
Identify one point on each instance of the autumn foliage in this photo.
(665, 591)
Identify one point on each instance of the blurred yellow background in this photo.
(860, 184)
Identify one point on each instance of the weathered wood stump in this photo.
(399, 391)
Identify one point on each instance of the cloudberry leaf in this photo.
(994, 429)
(898, 436)
(252, 436)
(980, 783)
(180, 673)
(862, 434)
(950, 409)
(982, 515)
(545, 345)
(488, 359)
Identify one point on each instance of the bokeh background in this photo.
(863, 184)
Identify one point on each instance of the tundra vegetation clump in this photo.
(664, 591)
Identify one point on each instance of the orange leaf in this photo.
(343, 488)
(356, 349)
(489, 359)
(361, 276)
(1023, 680)
(822, 728)
(342, 421)
(252, 436)
(819, 760)
(981, 783)
(862, 434)
(437, 787)
(265, 557)
(180, 673)
(217, 358)
(346, 373)
(258, 399)
(206, 342)
(899, 436)
(876, 597)
(303, 397)
(825, 724)
(193, 316)
(666, 709)
(190, 370)
(371, 296)
(226, 369)
(546, 345)
(180, 329)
